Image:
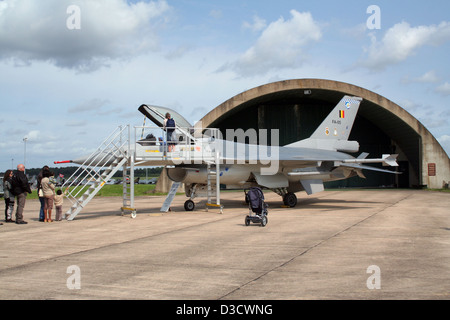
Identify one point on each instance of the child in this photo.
(52, 179)
(59, 200)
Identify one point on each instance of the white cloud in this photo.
(401, 41)
(410, 105)
(91, 105)
(444, 89)
(110, 29)
(216, 14)
(434, 122)
(78, 123)
(428, 77)
(33, 135)
(178, 52)
(258, 24)
(281, 45)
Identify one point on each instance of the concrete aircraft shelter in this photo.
(296, 107)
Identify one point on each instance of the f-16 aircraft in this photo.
(203, 160)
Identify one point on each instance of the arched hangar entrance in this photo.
(297, 107)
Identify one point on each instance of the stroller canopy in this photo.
(255, 197)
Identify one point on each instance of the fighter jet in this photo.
(203, 159)
(302, 165)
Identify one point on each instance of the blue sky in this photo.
(67, 89)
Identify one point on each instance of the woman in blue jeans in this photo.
(40, 193)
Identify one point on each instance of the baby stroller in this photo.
(257, 207)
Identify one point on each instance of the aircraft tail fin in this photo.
(338, 124)
(333, 132)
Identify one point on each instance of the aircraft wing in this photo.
(298, 157)
(354, 163)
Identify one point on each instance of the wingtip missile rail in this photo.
(386, 160)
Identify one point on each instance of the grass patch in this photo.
(113, 190)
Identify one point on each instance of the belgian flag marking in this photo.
(341, 114)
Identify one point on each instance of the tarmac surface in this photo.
(355, 244)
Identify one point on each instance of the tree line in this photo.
(68, 171)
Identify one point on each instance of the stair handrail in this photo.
(114, 151)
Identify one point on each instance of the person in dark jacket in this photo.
(169, 126)
(20, 188)
(9, 197)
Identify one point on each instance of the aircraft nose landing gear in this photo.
(189, 205)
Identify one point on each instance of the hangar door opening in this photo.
(296, 116)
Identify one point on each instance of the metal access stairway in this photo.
(117, 152)
(213, 176)
(98, 169)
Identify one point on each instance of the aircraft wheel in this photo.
(189, 205)
(290, 199)
(264, 221)
(247, 221)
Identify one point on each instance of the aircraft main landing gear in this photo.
(290, 199)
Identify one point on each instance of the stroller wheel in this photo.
(247, 221)
(264, 221)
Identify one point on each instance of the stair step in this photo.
(84, 199)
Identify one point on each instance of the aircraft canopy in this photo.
(158, 114)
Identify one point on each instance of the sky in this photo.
(71, 71)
